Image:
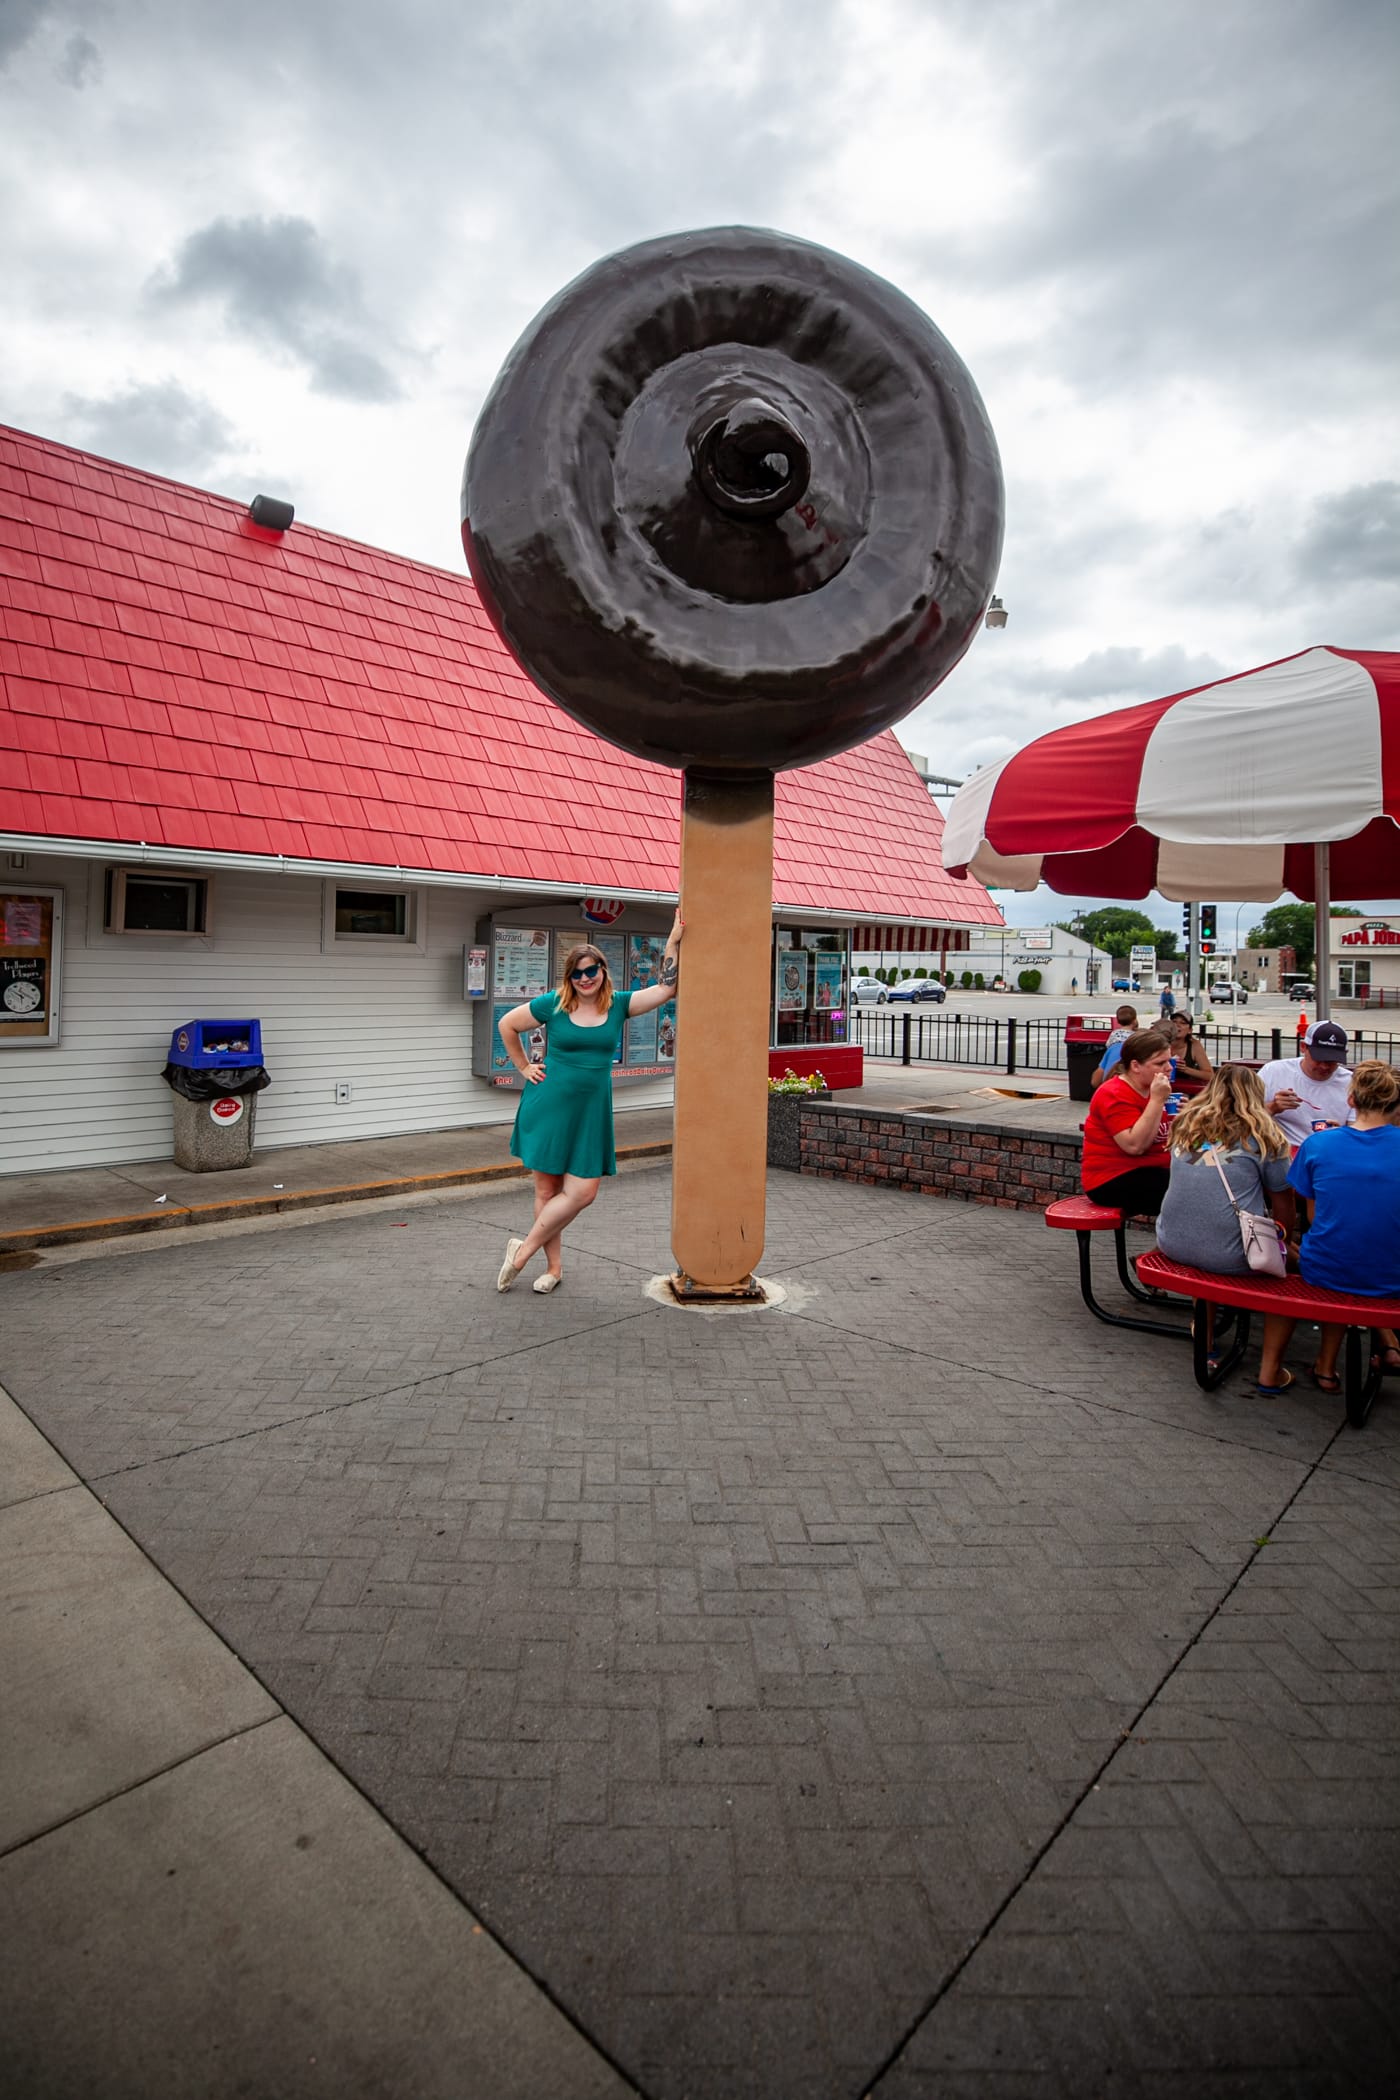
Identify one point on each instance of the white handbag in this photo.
(1265, 1243)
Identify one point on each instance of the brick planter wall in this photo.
(937, 1156)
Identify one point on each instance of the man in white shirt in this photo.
(1309, 1092)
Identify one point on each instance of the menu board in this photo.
(29, 934)
(520, 964)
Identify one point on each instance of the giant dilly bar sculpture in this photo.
(735, 504)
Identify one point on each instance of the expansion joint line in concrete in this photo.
(283, 1713)
(134, 1786)
(390, 1392)
(1095, 1777)
(1057, 1392)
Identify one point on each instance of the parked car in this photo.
(919, 991)
(1124, 984)
(1228, 993)
(868, 991)
(1300, 990)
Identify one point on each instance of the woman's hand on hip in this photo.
(533, 1074)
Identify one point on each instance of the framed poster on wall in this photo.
(830, 971)
(791, 972)
(31, 943)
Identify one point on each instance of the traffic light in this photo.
(1186, 926)
(1208, 912)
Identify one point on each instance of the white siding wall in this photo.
(391, 1022)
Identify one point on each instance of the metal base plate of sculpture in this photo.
(735, 504)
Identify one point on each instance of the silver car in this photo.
(868, 991)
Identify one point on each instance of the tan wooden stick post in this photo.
(721, 1129)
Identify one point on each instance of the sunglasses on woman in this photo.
(584, 971)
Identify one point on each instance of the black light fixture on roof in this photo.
(271, 513)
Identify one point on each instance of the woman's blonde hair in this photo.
(568, 997)
(1229, 1111)
(1375, 1088)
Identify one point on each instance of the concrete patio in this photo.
(913, 1691)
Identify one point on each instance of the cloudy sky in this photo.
(286, 246)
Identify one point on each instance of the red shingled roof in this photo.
(173, 675)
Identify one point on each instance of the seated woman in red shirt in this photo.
(1126, 1164)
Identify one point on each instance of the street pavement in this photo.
(917, 1690)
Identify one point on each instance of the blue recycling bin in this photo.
(207, 1046)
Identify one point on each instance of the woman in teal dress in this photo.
(564, 1125)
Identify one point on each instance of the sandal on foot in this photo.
(1387, 1362)
(546, 1283)
(1270, 1390)
(509, 1272)
(1325, 1381)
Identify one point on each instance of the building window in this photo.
(810, 978)
(141, 900)
(387, 918)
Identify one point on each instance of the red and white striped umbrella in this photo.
(1225, 791)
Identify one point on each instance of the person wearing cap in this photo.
(1312, 1091)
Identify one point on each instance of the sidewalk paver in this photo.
(192, 1899)
(802, 1696)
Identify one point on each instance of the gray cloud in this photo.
(157, 425)
(1124, 675)
(1203, 189)
(1353, 536)
(277, 284)
(81, 63)
(18, 21)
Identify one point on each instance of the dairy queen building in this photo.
(252, 770)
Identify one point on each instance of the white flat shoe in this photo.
(546, 1283)
(509, 1272)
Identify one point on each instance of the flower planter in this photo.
(785, 1127)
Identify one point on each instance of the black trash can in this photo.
(215, 1074)
(1085, 1038)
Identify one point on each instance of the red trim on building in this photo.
(170, 675)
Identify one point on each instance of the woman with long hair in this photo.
(1192, 1069)
(1226, 1130)
(564, 1124)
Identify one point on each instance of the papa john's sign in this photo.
(1373, 933)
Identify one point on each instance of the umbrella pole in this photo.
(1322, 960)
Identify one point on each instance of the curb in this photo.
(234, 1207)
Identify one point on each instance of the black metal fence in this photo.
(997, 1043)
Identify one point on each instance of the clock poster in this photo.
(29, 922)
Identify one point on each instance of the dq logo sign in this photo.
(601, 911)
(227, 1108)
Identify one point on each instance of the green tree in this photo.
(1117, 928)
(1294, 926)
